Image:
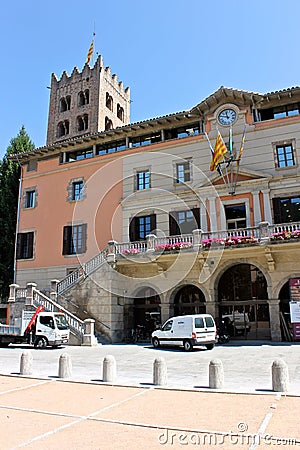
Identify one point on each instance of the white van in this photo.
(188, 331)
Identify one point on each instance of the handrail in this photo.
(82, 271)
(75, 323)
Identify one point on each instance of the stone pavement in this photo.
(48, 414)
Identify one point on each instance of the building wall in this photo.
(103, 192)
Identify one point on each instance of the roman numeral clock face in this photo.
(227, 117)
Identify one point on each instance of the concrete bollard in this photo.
(280, 376)
(216, 374)
(26, 363)
(160, 376)
(109, 369)
(65, 366)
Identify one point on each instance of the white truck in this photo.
(187, 331)
(38, 328)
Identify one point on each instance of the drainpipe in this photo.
(18, 220)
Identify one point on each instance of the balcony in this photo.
(263, 234)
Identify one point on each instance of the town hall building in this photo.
(130, 223)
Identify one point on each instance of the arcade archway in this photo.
(189, 300)
(243, 305)
(143, 312)
(284, 310)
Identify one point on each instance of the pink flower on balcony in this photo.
(131, 251)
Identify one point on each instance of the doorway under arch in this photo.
(144, 311)
(284, 309)
(189, 300)
(243, 302)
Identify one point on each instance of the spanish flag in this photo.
(219, 150)
(90, 52)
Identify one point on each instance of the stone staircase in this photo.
(81, 331)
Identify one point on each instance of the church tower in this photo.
(86, 102)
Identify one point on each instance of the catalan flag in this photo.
(219, 150)
(90, 52)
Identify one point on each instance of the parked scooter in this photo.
(222, 334)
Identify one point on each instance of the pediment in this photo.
(242, 175)
(226, 95)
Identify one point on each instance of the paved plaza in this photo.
(42, 411)
(247, 366)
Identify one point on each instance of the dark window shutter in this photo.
(84, 237)
(19, 246)
(30, 244)
(277, 210)
(133, 229)
(152, 222)
(196, 212)
(173, 225)
(67, 234)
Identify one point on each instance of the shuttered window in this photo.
(25, 245)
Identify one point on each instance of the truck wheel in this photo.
(211, 346)
(187, 345)
(155, 342)
(40, 342)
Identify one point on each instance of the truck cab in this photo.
(50, 329)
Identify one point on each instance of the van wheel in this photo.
(210, 346)
(187, 345)
(155, 342)
(40, 342)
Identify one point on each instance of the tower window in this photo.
(63, 128)
(65, 103)
(83, 98)
(120, 112)
(109, 101)
(87, 96)
(108, 124)
(82, 122)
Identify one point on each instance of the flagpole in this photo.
(227, 184)
(239, 159)
(212, 152)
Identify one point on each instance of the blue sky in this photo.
(172, 53)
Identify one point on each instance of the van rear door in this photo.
(205, 329)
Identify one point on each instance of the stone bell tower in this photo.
(86, 102)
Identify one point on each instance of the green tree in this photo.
(10, 172)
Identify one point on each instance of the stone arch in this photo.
(242, 296)
(281, 283)
(284, 296)
(143, 309)
(188, 298)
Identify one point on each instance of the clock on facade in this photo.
(227, 117)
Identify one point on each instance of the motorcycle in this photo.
(222, 334)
